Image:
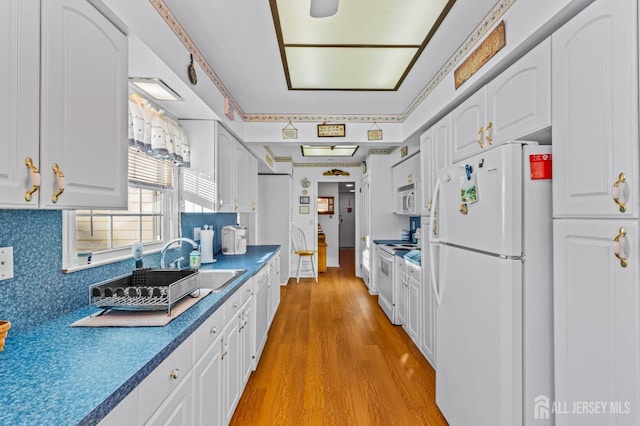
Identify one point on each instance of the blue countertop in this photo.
(56, 374)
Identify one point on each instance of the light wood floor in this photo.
(333, 358)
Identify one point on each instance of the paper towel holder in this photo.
(206, 244)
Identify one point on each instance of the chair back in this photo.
(298, 239)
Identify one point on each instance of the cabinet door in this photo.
(439, 151)
(207, 374)
(412, 324)
(83, 107)
(226, 149)
(467, 123)
(400, 288)
(519, 99)
(425, 172)
(177, 409)
(242, 196)
(597, 316)
(247, 331)
(231, 367)
(19, 105)
(253, 184)
(595, 112)
(427, 305)
(208, 395)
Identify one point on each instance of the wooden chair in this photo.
(302, 250)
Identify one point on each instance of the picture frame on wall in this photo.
(305, 199)
(304, 210)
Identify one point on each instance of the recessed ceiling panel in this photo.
(367, 31)
(351, 68)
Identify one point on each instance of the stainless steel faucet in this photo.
(168, 245)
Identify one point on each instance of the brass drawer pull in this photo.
(35, 179)
(488, 133)
(617, 247)
(617, 192)
(59, 182)
(479, 137)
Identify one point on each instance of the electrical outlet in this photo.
(196, 233)
(6, 263)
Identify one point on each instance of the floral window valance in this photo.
(156, 134)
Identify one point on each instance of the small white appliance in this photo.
(234, 240)
(406, 199)
(491, 266)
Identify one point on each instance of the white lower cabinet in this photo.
(412, 302)
(597, 320)
(202, 380)
(400, 284)
(273, 283)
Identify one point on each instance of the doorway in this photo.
(347, 214)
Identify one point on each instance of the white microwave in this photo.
(406, 200)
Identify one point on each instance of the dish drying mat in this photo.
(116, 318)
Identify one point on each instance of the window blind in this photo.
(148, 171)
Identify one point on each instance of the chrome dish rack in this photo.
(144, 290)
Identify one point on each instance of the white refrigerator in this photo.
(492, 279)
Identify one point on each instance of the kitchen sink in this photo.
(218, 279)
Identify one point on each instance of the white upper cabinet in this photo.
(425, 168)
(595, 112)
(19, 105)
(519, 99)
(68, 62)
(237, 175)
(515, 104)
(467, 124)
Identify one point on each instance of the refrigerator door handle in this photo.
(433, 243)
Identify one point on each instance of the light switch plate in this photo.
(6, 263)
(196, 233)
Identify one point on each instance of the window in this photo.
(109, 234)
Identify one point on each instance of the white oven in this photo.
(386, 289)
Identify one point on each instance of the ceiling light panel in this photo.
(380, 38)
(378, 22)
(328, 150)
(347, 68)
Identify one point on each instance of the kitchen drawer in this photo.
(413, 271)
(246, 290)
(164, 379)
(208, 332)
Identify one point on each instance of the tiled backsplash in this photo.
(39, 290)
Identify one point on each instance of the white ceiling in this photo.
(238, 40)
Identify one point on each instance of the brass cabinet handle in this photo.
(174, 374)
(235, 203)
(220, 201)
(253, 206)
(429, 204)
(617, 191)
(488, 135)
(479, 137)
(410, 178)
(213, 330)
(617, 247)
(59, 182)
(35, 178)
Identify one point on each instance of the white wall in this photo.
(331, 223)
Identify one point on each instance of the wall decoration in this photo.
(336, 172)
(289, 131)
(303, 210)
(331, 130)
(374, 133)
(325, 205)
(364, 167)
(191, 70)
(485, 51)
(305, 182)
(304, 200)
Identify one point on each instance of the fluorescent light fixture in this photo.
(352, 190)
(323, 8)
(155, 88)
(349, 185)
(328, 150)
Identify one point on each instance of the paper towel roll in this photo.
(206, 246)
